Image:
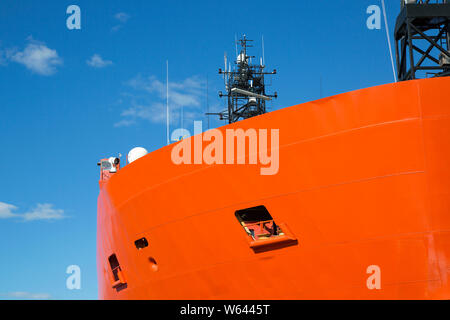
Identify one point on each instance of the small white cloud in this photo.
(6, 54)
(122, 16)
(6, 211)
(44, 212)
(40, 212)
(115, 28)
(3, 61)
(187, 94)
(124, 123)
(22, 295)
(97, 61)
(155, 113)
(37, 57)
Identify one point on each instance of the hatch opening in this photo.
(141, 243)
(117, 278)
(258, 223)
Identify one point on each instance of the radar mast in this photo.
(245, 86)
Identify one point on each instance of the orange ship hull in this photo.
(363, 181)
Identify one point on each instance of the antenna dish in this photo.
(241, 58)
(136, 153)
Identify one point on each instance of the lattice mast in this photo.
(422, 35)
(245, 86)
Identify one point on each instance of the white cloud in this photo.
(155, 113)
(44, 212)
(3, 60)
(97, 61)
(22, 295)
(37, 57)
(124, 123)
(40, 212)
(152, 105)
(115, 28)
(6, 211)
(122, 16)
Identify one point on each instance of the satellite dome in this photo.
(241, 57)
(136, 153)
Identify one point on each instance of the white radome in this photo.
(136, 153)
(241, 57)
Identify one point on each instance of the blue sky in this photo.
(70, 97)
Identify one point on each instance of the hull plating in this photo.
(363, 180)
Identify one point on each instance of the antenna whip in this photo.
(389, 40)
